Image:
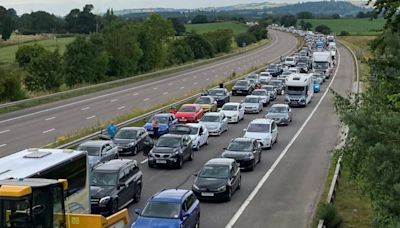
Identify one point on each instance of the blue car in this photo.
(170, 208)
(316, 86)
(166, 120)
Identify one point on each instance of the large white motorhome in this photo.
(322, 62)
(299, 89)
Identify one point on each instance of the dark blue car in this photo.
(170, 208)
(165, 120)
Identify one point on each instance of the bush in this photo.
(258, 31)
(344, 33)
(330, 216)
(200, 46)
(323, 29)
(244, 39)
(221, 40)
(10, 85)
(26, 53)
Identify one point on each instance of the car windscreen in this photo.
(240, 146)
(194, 130)
(241, 83)
(92, 150)
(295, 90)
(275, 83)
(168, 142)
(203, 100)
(268, 88)
(187, 109)
(321, 65)
(251, 100)
(290, 59)
(126, 134)
(229, 107)
(256, 127)
(161, 119)
(160, 209)
(216, 92)
(179, 129)
(214, 171)
(259, 93)
(103, 179)
(278, 109)
(207, 118)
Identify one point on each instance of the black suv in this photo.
(242, 87)
(114, 185)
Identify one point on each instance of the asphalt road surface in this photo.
(38, 126)
(296, 167)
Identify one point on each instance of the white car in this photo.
(234, 111)
(265, 77)
(264, 130)
(290, 61)
(263, 94)
(252, 104)
(199, 135)
(215, 122)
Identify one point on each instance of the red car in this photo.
(189, 113)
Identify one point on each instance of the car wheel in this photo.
(179, 163)
(220, 132)
(197, 223)
(253, 165)
(276, 139)
(135, 150)
(150, 165)
(259, 158)
(197, 146)
(191, 156)
(116, 156)
(270, 145)
(136, 197)
(229, 194)
(207, 141)
(239, 184)
(114, 206)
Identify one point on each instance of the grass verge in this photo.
(355, 26)
(236, 27)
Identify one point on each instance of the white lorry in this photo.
(322, 62)
(299, 89)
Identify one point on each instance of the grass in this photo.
(355, 26)
(7, 53)
(209, 27)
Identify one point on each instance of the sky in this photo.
(62, 7)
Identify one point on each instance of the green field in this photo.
(354, 26)
(7, 53)
(209, 27)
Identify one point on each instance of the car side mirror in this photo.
(185, 215)
(215, 102)
(121, 185)
(219, 109)
(245, 130)
(195, 174)
(138, 211)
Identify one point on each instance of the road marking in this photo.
(195, 83)
(90, 117)
(114, 100)
(170, 84)
(184, 80)
(144, 161)
(260, 184)
(135, 94)
(5, 131)
(122, 107)
(146, 99)
(3, 145)
(165, 93)
(51, 118)
(47, 131)
(85, 108)
(182, 87)
(207, 79)
(155, 88)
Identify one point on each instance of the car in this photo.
(218, 179)
(254, 84)
(255, 77)
(114, 185)
(316, 85)
(207, 103)
(278, 85)
(274, 72)
(199, 135)
(99, 151)
(252, 104)
(319, 75)
(221, 95)
(131, 140)
(303, 67)
(265, 131)
(277, 69)
(233, 111)
(242, 87)
(171, 150)
(245, 151)
(271, 91)
(280, 113)
(290, 61)
(265, 77)
(165, 120)
(169, 208)
(215, 122)
(263, 94)
(189, 113)
(294, 70)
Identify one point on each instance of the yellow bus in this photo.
(53, 164)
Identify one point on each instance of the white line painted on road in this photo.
(165, 93)
(114, 100)
(144, 161)
(5, 131)
(135, 94)
(3, 145)
(260, 184)
(207, 79)
(122, 107)
(155, 88)
(90, 117)
(170, 84)
(85, 108)
(182, 87)
(146, 99)
(195, 83)
(184, 80)
(47, 131)
(51, 118)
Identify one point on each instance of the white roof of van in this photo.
(298, 80)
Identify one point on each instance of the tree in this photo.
(7, 22)
(258, 31)
(221, 40)
(81, 21)
(178, 26)
(288, 20)
(200, 46)
(323, 29)
(244, 39)
(335, 16)
(11, 85)
(40, 22)
(307, 26)
(179, 52)
(200, 19)
(305, 15)
(360, 14)
(26, 53)
(44, 72)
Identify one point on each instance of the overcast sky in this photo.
(62, 7)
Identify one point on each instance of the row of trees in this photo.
(374, 124)
(252, 35)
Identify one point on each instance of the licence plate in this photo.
(207, 194)
(239, 91)
(120, 149)
(161, 161)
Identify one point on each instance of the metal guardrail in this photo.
(151, 113)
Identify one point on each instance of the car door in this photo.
(274, 131)
(203, 135)
(234, 176)
(148, 144)
(290, 113)
(131, 181)
(189, 208)
(224, 121)
(112, 151)
(257, 150)
(241, 111)
(185, 147)
(139, 139)
(123, 187)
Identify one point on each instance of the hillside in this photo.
(319, 8)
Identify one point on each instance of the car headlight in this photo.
(104, 200)
(195, 187)
(250, 156)
(222, 188)
(235, 116)
(131, 144)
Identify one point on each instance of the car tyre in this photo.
(135, 151)
(239, 184)
(179, 163)
(197, 146)
(150, 165)
(206, 142)
(191, 156)
(138, 193)
(114, 206)
(229, 194)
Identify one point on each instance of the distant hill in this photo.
(319, 8)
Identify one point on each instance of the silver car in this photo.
(99, 151)
(252, 104)
(271, 91)
(280, 113)
(215, 122)
(263, 94)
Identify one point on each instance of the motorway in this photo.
(41, 125)
(284, 188)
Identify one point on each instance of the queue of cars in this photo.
(117, 182)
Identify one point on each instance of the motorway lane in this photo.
(292, 200)
(35, 128)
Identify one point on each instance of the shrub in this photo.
(344, 33)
